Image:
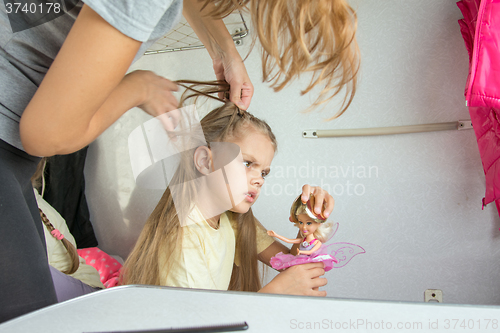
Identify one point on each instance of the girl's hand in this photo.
(298, 280)
(323, 199)
(298, 252)
(232, 69)
(271, 233)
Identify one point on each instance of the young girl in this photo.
(221, 251)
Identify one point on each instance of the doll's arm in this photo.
(284, 239)
(314, 249)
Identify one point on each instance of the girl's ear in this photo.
(203, 160)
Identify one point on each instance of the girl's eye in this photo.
(247, 164)
(309, 223)
(264, 174)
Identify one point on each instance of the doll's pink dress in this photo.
(282, 261)
(334, 255)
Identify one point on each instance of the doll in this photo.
(314, 232)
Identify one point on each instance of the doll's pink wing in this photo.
(335, 227)
(344, 252)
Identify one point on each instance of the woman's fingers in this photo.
(158, 100)
(232, 69)
(241, 94)
(246, 94)
(157, 96)
(168, 85)
(169, 121)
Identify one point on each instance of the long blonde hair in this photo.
(162, 233)
(304, 36)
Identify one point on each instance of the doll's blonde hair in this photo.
(162, 233)
(304, 36)
(323, 230)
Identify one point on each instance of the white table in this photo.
(146, 307)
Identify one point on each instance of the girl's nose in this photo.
(256, 178)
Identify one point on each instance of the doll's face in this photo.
(257, 153)
(306, 225)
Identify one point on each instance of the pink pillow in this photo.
(107, 266)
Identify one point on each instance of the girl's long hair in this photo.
(161, 239)
(304, 36)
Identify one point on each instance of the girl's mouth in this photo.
(250, 196)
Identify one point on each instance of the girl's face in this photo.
(306, 225)
(257, 152)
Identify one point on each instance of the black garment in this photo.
(65, 191)
(25, 280)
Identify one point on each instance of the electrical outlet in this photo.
(433, 295)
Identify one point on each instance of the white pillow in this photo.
(57, 253)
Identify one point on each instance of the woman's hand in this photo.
(298, 280)
(219, 43)
(157, 97)
(232, 69)
(324, 201)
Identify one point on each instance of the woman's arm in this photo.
(85, 90)
(227, 62)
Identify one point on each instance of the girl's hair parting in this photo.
(304, 36)
(162, 233)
